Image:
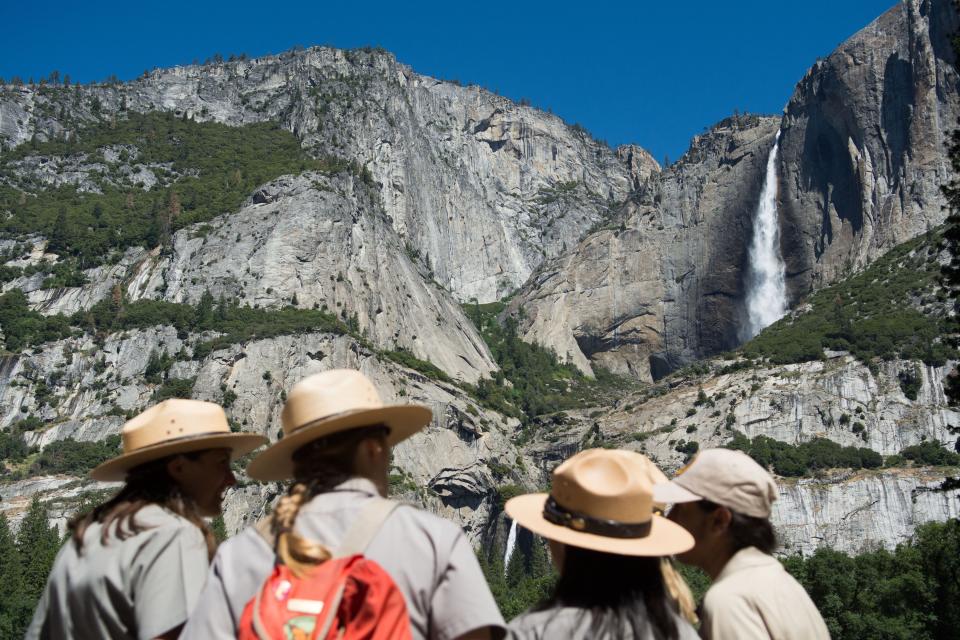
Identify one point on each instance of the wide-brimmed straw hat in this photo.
(327, 403)
(171, 427)
(601, 499)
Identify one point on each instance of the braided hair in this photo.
(318, 467)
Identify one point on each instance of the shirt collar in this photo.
(358, 485)
(746, 558)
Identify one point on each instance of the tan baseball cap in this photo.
(723, 476)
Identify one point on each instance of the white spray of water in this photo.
(766, 289)
(511, 543)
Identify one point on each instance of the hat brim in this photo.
(666, 538)
(276, 462)
(672, 493)
(115, 469)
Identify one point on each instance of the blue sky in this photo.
(650, 73)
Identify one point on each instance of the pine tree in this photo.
(14, 608)
(37, 544)
(60, 235)
(204, 317)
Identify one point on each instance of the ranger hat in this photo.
(171, 427)
(601, 499)
(327, 403)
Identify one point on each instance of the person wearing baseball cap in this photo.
(136, 563)
(724, 498)
(609, 546)
(336, 446)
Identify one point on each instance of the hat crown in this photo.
(173, 419)
(730, 478)
(604, 484)
(327, 394)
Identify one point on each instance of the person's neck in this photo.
(714, 563)
(375, 478)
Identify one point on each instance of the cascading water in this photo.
(766, 287)
(511, 543)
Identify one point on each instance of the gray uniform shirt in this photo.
(137, 588)
(428, 558)
(573, 622)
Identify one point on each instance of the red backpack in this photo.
(348, 597)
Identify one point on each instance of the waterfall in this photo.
(766, 289)
(511, 543)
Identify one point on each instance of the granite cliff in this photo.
(862, 156)
(432, 195)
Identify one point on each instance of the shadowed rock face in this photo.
(861, 163)
(863, 144)
(664, 285)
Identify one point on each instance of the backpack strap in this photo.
(264, 527)
(366, 526)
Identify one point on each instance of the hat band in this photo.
(558, 515)
(179, 439)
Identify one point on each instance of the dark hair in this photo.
(612, 587)
(746, 531)
(318, 466)
(147, 484)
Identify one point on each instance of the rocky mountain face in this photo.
(457, 194)
(863, 144)
(862, 156)
(444, 467)
(308, 241)
(483, 189)
(839, 399)
(662, 284)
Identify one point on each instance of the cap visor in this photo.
(672, 493)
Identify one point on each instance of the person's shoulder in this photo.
(155, 520)
(729, 590)
(246, 540)
(547, 623)
(529, 624)
(417, 520)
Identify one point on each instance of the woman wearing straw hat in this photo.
(136, 563)
(607, 543)
(336, 444)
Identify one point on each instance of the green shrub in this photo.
(405, 358)
(23, 327)
(507, 491)
(539, 383)
(75, 457)
(800, 460)
(878, 313)
(907, 594)
(174, 388)
(219, 166)
(910, 382)
(931, 453)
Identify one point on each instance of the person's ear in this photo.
(175, 468)
(370, 450)
(374, 447)
(720, 520)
